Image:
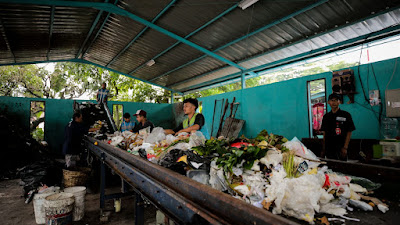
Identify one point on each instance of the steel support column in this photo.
(102, 181)
(139, 209)
(243, 80)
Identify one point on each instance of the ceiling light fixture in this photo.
(246, 4)
(151, 62)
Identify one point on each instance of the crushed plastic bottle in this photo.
(361, 205)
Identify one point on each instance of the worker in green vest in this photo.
(194, 121)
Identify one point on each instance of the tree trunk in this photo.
(36, 123)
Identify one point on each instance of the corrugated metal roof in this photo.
(106, 36)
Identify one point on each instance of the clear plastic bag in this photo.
(301, 150)
(156, 136)
(196, 139)
(170, 138)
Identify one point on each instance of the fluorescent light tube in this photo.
(151, 62)
(246, 3)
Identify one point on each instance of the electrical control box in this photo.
(392, 103)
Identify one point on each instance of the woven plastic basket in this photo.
(75, 178)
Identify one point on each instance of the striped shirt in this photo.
(102, 95)
(127, 126)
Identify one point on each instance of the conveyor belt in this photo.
(374, 172)
(181, 198)
(110, 118)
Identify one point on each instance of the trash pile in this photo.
(268, 172)
(95, 115)
(38, 175)
(18, 148)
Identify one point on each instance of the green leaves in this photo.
(228, 157)
(212, 146)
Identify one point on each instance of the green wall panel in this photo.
(159, 114)
(18, 107)
(58, 113)
(281, 107)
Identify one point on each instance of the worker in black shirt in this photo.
(194, 121)
(74, 132)
(337, 126)
(141, 117)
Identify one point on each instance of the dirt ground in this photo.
(13, 209)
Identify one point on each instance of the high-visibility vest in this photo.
(186, 122)
(203, 129)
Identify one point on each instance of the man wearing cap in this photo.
(141, 117)
(193, 122)
(337, 126)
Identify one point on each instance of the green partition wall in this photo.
(281, 107)
(58, 112)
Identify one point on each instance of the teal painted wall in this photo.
(159, 114)
(281, 107)
(58, 112)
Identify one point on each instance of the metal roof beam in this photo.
(246, 36)
(297, 42)
(344, 44)
(4, 34)
(90, 31)
(50, 30)
(141, 32)
(187, 36)
(116, 10)
(125, 74)
(98, 32)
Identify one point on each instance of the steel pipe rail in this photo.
(183, 199)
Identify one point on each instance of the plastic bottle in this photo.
(389, 128)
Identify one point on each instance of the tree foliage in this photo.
(74, 80)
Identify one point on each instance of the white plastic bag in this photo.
(297, 197)
(301, 150)
(273, 157)
(116, 140)
(156, 136)
(181, 146)
(332, 209)
(196, 139)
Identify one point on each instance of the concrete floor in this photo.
(13, 209)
